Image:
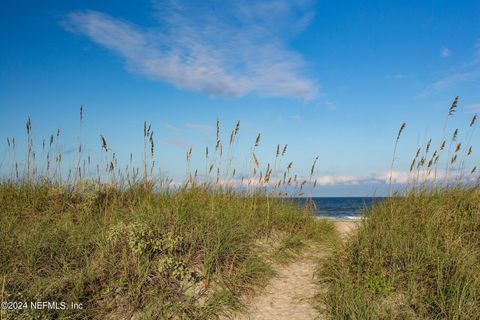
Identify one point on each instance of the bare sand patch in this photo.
(290, 294)
(345, 227)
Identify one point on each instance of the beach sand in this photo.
(345, 227)
(290, 295)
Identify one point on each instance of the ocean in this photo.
(341, 208)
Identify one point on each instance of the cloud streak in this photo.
(398, 178)
(475, 107)
(175, 142)
(467, 73)
(199, 127)
(381, 179)
(232, 51)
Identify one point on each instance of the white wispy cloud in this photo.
(171, 127)
(475, 107)
(399, 178)
(469, 72)
(199, 127)
(224, 49)
(331, 180)
(175, 142)
(445, 52)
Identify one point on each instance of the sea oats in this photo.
(104, 142)
(453, 107)
(442, 146)
(257, 141)
(237, 127)
(29, 126)
(421, 162)
(152, 145)
(412, 165)
(255, 160)
(402, 127)
(418, 152)
(454, 158)
(289, 166)
(458, 147)
(474, 119)
(455, 135)
(313, 166)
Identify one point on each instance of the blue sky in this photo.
(328, 78)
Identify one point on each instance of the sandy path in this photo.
(346, 227)
(289, 295)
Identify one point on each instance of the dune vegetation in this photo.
(414, 257)
(129, 244)
(104, 240)
(417, 254)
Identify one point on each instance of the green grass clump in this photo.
(414, 257)
(186, 254)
